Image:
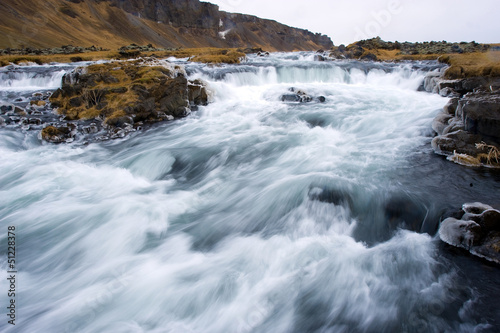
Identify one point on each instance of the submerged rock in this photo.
(299, 96)
(478, 231)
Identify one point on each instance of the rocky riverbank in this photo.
(468, 133)
(468, 128)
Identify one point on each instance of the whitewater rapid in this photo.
(250, 215)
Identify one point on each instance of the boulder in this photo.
(475, 208)
(300, 96)
(290, 98)
(197, 93)
(319, 57)
(460, 142)
(454, 125)
(441, 122)
(481, 114)
(478, 231)
(124, 94)
(459, 233)
(172, 97)
(59, 134)
(119, 121)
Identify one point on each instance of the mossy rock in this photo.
(137, 89)
(58, 134)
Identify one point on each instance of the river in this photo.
(251, 214)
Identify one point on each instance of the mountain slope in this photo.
(164, 23)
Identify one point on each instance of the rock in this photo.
(305, 98)
(448, 92)
(490, 220)
(129, 54)
(460, 142)
(290, 98)
(58, 134)
(90, 129)
(19, 111)
(459, 233)
(6, 108)
(490, 248)
(481, 114)
(197, 93)
(475, 208)
(173, 97)
(119, 121)
(487, 217)
(38, 103)
(478, 231)
(34, 121)
(125, 93)
(431, 81)
(369, 57)
(319, 57)
(454, 125)
(298, 96)
(441, 122)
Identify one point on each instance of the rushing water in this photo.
(250, 215)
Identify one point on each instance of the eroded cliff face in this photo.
(179, 13)
(165, 23)
(246, 30)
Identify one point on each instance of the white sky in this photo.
(347, 21)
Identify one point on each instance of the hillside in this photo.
(164, 23)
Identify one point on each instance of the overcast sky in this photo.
(402, 20)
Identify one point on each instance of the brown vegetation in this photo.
(467, 65)
(205, 55)
(123, 93)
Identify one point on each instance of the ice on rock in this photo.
(475, 208)
(458, 232)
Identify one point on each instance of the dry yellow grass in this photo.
(62, 58)
(462, 65)
(205, 55)
(472, 64)
(117, 79)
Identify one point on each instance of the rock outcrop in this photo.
(477, 229)
(120, 97)
(468, 127)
